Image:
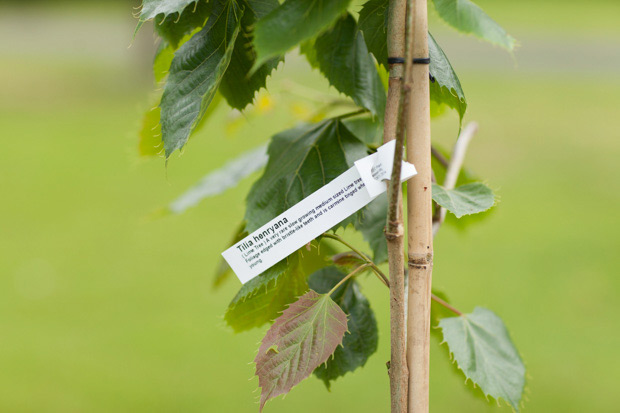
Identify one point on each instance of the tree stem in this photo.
(419, 217)
(394, 128)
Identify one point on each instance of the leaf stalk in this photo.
(351, 274)
(363, 256)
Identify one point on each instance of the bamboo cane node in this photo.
(420, 261)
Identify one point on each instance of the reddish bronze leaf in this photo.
(299, 341)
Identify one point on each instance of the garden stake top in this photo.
(221, 52)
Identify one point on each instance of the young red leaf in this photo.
(299, 341)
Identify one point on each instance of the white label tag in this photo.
(375, 169)
(315, 214)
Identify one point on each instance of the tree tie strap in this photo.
(401, 60)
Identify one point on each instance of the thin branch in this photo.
(381, 275)
(371, 264)
(454, 169)
(341, 240)
(445, 304)
(351, 274)
(439, 156)
(363, 256)
(331, 105)
(345, 256)
(351, 114)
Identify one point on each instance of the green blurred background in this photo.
(104, 309)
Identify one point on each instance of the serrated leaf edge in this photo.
(487, 396)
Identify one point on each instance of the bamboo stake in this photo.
(419, 218)
(394, 128)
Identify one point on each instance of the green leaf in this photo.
(175, 31)
(466, 176)
(307, 49)
(149, 142)
(299, 341)
(301, 160)
(293, 22)
(446, 87)
(367, 129)
(467, 17)
(239, 85)
(195, 74)
(483, 350)
(373, 23)
(162, 61)
(316, 255)
(347, 261)
(464, 200)
(343, 58)
(218, 181)
(150, 137)
(151, 8)
(261, 299)
(362, 339)
(174, 27)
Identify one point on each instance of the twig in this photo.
(351, 114)
(382, 276)
(363, 256)
(454, 169)
(445, 304)
(368, 263)
(341, 240)
(439, 156)
(351, 274)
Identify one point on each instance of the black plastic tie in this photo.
(396, 60)
(401, 60)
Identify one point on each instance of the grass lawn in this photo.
(103, 309)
